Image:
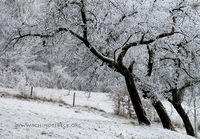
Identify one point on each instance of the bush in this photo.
(123, 105)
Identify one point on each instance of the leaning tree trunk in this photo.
(136, 101)
(164, 117)
(160, 109)
(184, 117)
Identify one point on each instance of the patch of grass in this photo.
(20, 96)
(24, 96)
(2, 94)
(43, 99)
(132, 122)
(94, 108)
(156, 119)
(177, 124)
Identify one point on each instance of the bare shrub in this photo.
(123, 105)
(177, 124)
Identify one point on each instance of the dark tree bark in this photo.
(176, 102)
(136, 101)
(164, 117)
(184, 117)
(160, 109)
(150, 61)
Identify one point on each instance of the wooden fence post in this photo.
(31, 91)
(74, 99)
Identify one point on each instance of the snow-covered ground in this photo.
(35, 119)
(92, 99)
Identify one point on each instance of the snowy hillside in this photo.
(35, 119)
(90, 99)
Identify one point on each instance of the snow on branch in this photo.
(40, 35)
(141, 42)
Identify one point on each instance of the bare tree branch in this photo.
(141, 42)
(84, 19)
(150, 61)
(130, 68)
(121, 46)
(40, 35)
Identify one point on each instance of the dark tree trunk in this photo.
(184, 117)
(136, 101)
(164, 117)
(160, 109)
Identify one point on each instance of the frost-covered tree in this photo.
(112, 33)
(176, 60)
(104, 31)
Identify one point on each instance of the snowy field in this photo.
(92, 99)
(30, 119)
